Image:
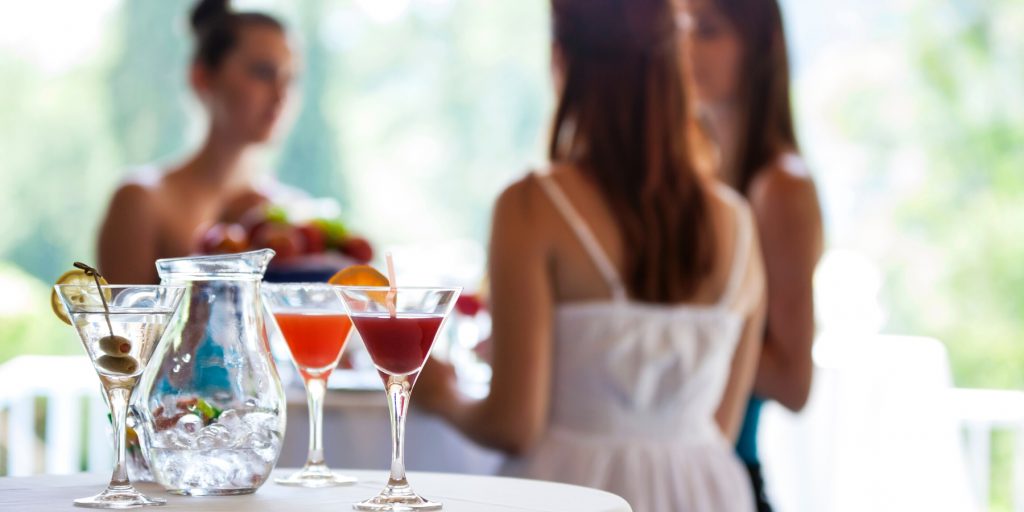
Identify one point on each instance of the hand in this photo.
(485, 350)
(244, 207)
(436, 387)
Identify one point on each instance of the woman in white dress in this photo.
(627, 288)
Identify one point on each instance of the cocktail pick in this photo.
(95, 274)
(117, 349)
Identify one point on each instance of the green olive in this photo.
(116, 346)
(122, 365)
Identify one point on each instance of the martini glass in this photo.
(315, 326)
(119, 327)
(398, 334)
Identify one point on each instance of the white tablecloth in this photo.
(458, 493)
(357, 434)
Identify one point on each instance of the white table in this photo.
(357, 434)
(459, 493)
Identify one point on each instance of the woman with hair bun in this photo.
(241, 72)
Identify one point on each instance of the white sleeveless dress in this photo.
(635, 387)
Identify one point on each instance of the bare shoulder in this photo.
(518, 199)
(785, 204)
(527, 198)
(784, 185)
(132, 194)
(724, 202)
(520, 222)
(135, 196)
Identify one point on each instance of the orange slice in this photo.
(359, 275)
(88, 293)
(362, 275)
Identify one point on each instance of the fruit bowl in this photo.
(308, 248)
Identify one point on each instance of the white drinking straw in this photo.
(392, 293)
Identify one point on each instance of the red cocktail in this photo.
(398, 326)
(399, 345)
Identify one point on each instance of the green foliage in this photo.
(25, 328)
(941, 135)
(944, 145)
(311, 158)
(971, 212)
(147, 81)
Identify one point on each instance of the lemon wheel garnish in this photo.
(78, 278)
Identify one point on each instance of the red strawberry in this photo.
(358, 248)
(285, 240)
(469, 305)
(255, 230)
(225, 238)
(314, 239)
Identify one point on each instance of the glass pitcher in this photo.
(212, 405)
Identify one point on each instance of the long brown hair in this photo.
(624, 117)
(767, 125)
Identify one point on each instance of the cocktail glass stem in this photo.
(316, 388)
(118, 399)
(398, 495)
(119, 492)
(316, 473)
(399, 390)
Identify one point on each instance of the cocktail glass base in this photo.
(316, 476)
(119, 498)
(202, 491)
(397, 498)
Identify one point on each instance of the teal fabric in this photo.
(746, 445)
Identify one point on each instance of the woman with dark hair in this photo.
(741, 70)
(626, 284)
(241, 72)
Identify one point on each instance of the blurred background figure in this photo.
(627, 284)
(741, 69)
(242, 71)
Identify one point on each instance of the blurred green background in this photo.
(911, 114)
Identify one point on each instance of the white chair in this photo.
(67, 383)
(878, 433)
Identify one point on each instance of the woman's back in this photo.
(576, 278)
(636, 386)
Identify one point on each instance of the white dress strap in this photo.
(742, 247)
(585, 236)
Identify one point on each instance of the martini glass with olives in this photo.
(120, 327)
